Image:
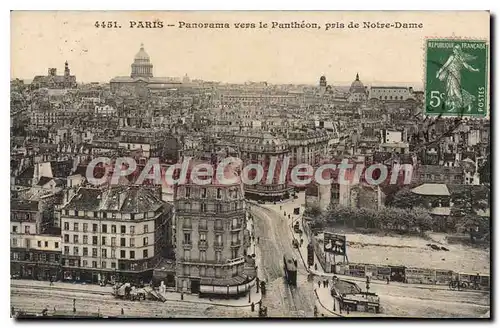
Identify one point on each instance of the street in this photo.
(274, 241)
(397, 299)
(34, 300)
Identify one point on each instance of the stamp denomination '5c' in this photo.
(456, 80)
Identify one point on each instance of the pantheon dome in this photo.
(142, 67)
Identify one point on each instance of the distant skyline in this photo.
(298, 56)
(341, 84)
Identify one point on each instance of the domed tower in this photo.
(357, 91)
(66, 69)
(322, 84)
(357, 85)
(142, 67)
(322, 81)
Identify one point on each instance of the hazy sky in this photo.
(46, 39)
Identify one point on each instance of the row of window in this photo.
(85, 264)
(440, 177)
(27, 229)
(20, 216)
(104, 228)
(39, 243)
(202, 224)
(28, 243)
(219, 208)
(35, 257)
(203, 238)
(140, 146)
(104, 240)
(218, 255)
(107, 215)
(104, 252)
(233, 193)
(209, 272)
(390, 98)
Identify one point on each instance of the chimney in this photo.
(122, 196)
(36, 174)
(70, 192)
(76, 161)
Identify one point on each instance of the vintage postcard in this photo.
(250, 164)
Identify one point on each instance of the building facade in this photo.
(210, 236)
(259, 149)
(141, 78)
(391, 93)
(54, 81)
(120, 233)
(34, 252)
(308, 146)
(357, 91)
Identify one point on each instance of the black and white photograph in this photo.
(250, 164)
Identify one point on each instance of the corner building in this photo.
(115, 234)
(258, 148)
(211, 237)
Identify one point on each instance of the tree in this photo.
(405, 198)
(485, 169)
(312, 211)
(470, 199)
(387, 218)
(423, 219)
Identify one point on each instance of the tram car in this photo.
(290, 268)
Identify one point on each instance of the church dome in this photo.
(142, 67)
(357, 86)
(142, 54)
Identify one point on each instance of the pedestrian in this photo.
(319, 283)
(258, 239)
(326, 283)
(301, 241)
(387, 278)
(51, 282)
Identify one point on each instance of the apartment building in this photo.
(117, 233)
(210, 235)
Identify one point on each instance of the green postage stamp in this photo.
(456, 77)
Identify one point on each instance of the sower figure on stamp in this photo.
(450, 73)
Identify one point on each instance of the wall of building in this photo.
(390, 93)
